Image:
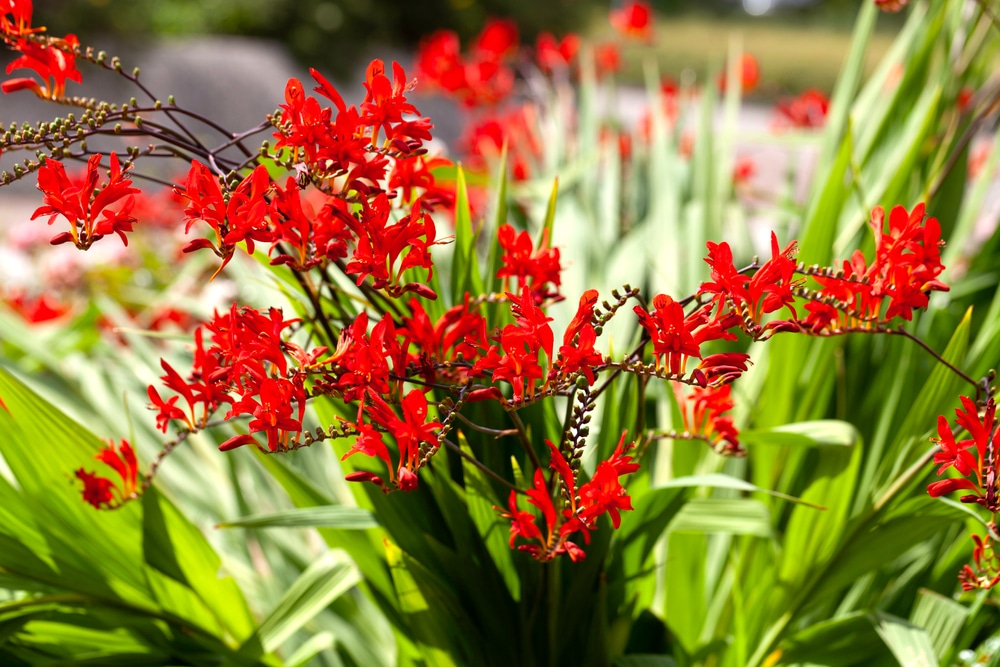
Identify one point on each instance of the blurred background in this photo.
(800, 43)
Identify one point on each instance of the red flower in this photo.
(703, 410)
(675, 336)
(439, 59)
(482, 78)
(54, 62)
(19, 22)
(91, 207)
(102, 492)
(891, 6)
(607, 58)
(634, 20)
(416, 172)
(986, 574)
(555, 541)
(577, 353)
(497, 41)
(769, 289)
(385, 103)
(904, 271)
(458, 334)
(749, 71)
(380, 246)
(315, 238)
(979, 454)
(807, 111)
(415, 436)
(273, 402)
(37, 309)
(743, 171)
(552, 54)
(517, 359)
(533, 268)
(238, 218)
(369, 442)
(604, 492)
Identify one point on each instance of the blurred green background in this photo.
(800, 43)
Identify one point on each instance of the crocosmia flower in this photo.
(105, 493)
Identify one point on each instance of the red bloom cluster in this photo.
(975, 459)
(602, 494)
(538, 269)
(36, 309)
(483, 76)
(236, 217)
(351, 153)
(703, 409)
(976, 456)
(750, 298)
(251, 368)
(459, 335)
(905, 270)
(986, 573)
(416, 438)
(516, 359)
(485, 139)
(93, 208)
(102, 492)
(891, 6)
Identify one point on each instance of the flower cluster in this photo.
(483, 76)
(93, 208)
(974, 458)
(102, 492)
(349, 220)
(805, 111)
(579, 508)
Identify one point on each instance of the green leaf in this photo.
(840, 642)
(721, 481)
(310, 648)
(823, 432)
(942, 618)
(465, 267)
(909, 643)
(430, 628)
(328, 516)
(323, 581)
(493, 530)
(738, 516)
